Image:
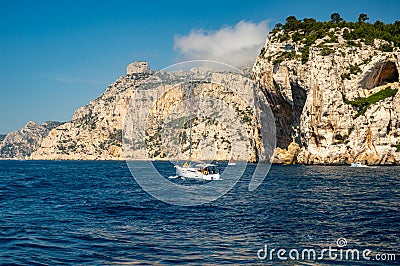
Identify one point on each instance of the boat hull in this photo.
(195, 173)
(358, 165)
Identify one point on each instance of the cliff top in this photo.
(138, 67)
(309, 32)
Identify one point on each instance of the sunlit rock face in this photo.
(20, 144)
(315, 102)
(138, 67)
(96, 130)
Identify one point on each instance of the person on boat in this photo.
(206, 171)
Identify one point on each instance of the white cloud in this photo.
(238, 45)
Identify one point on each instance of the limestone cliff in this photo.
(336, 99)
(95, 132)
(332, 86)
(223, 120)
(20, 144)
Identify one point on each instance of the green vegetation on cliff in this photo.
(362, 104)
(397, 146)
(308, 30)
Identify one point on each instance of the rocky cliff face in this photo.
(338, 106)
(96, 130)
(335, 101)
(223, 122)
(21, 143)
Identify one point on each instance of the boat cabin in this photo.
(208, 169)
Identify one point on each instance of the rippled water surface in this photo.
(95, 213)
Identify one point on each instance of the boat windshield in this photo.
(210, 169)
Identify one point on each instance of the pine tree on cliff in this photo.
(363, 18)
(336, 18)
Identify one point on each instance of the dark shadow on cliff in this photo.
(383, 73)
(287, 114)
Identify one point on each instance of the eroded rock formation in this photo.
(96, 130)
(20, 144)
(339, 106)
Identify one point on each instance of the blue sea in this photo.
(94, 213)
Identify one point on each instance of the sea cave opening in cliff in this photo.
(388, 74)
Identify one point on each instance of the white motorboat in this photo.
(358, 164)
(205, 172)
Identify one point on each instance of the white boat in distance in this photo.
(232, 162)
(358, 164)
(205, 172)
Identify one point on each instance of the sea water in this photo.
(95, 213)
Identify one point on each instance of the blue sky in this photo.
(58, 55)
